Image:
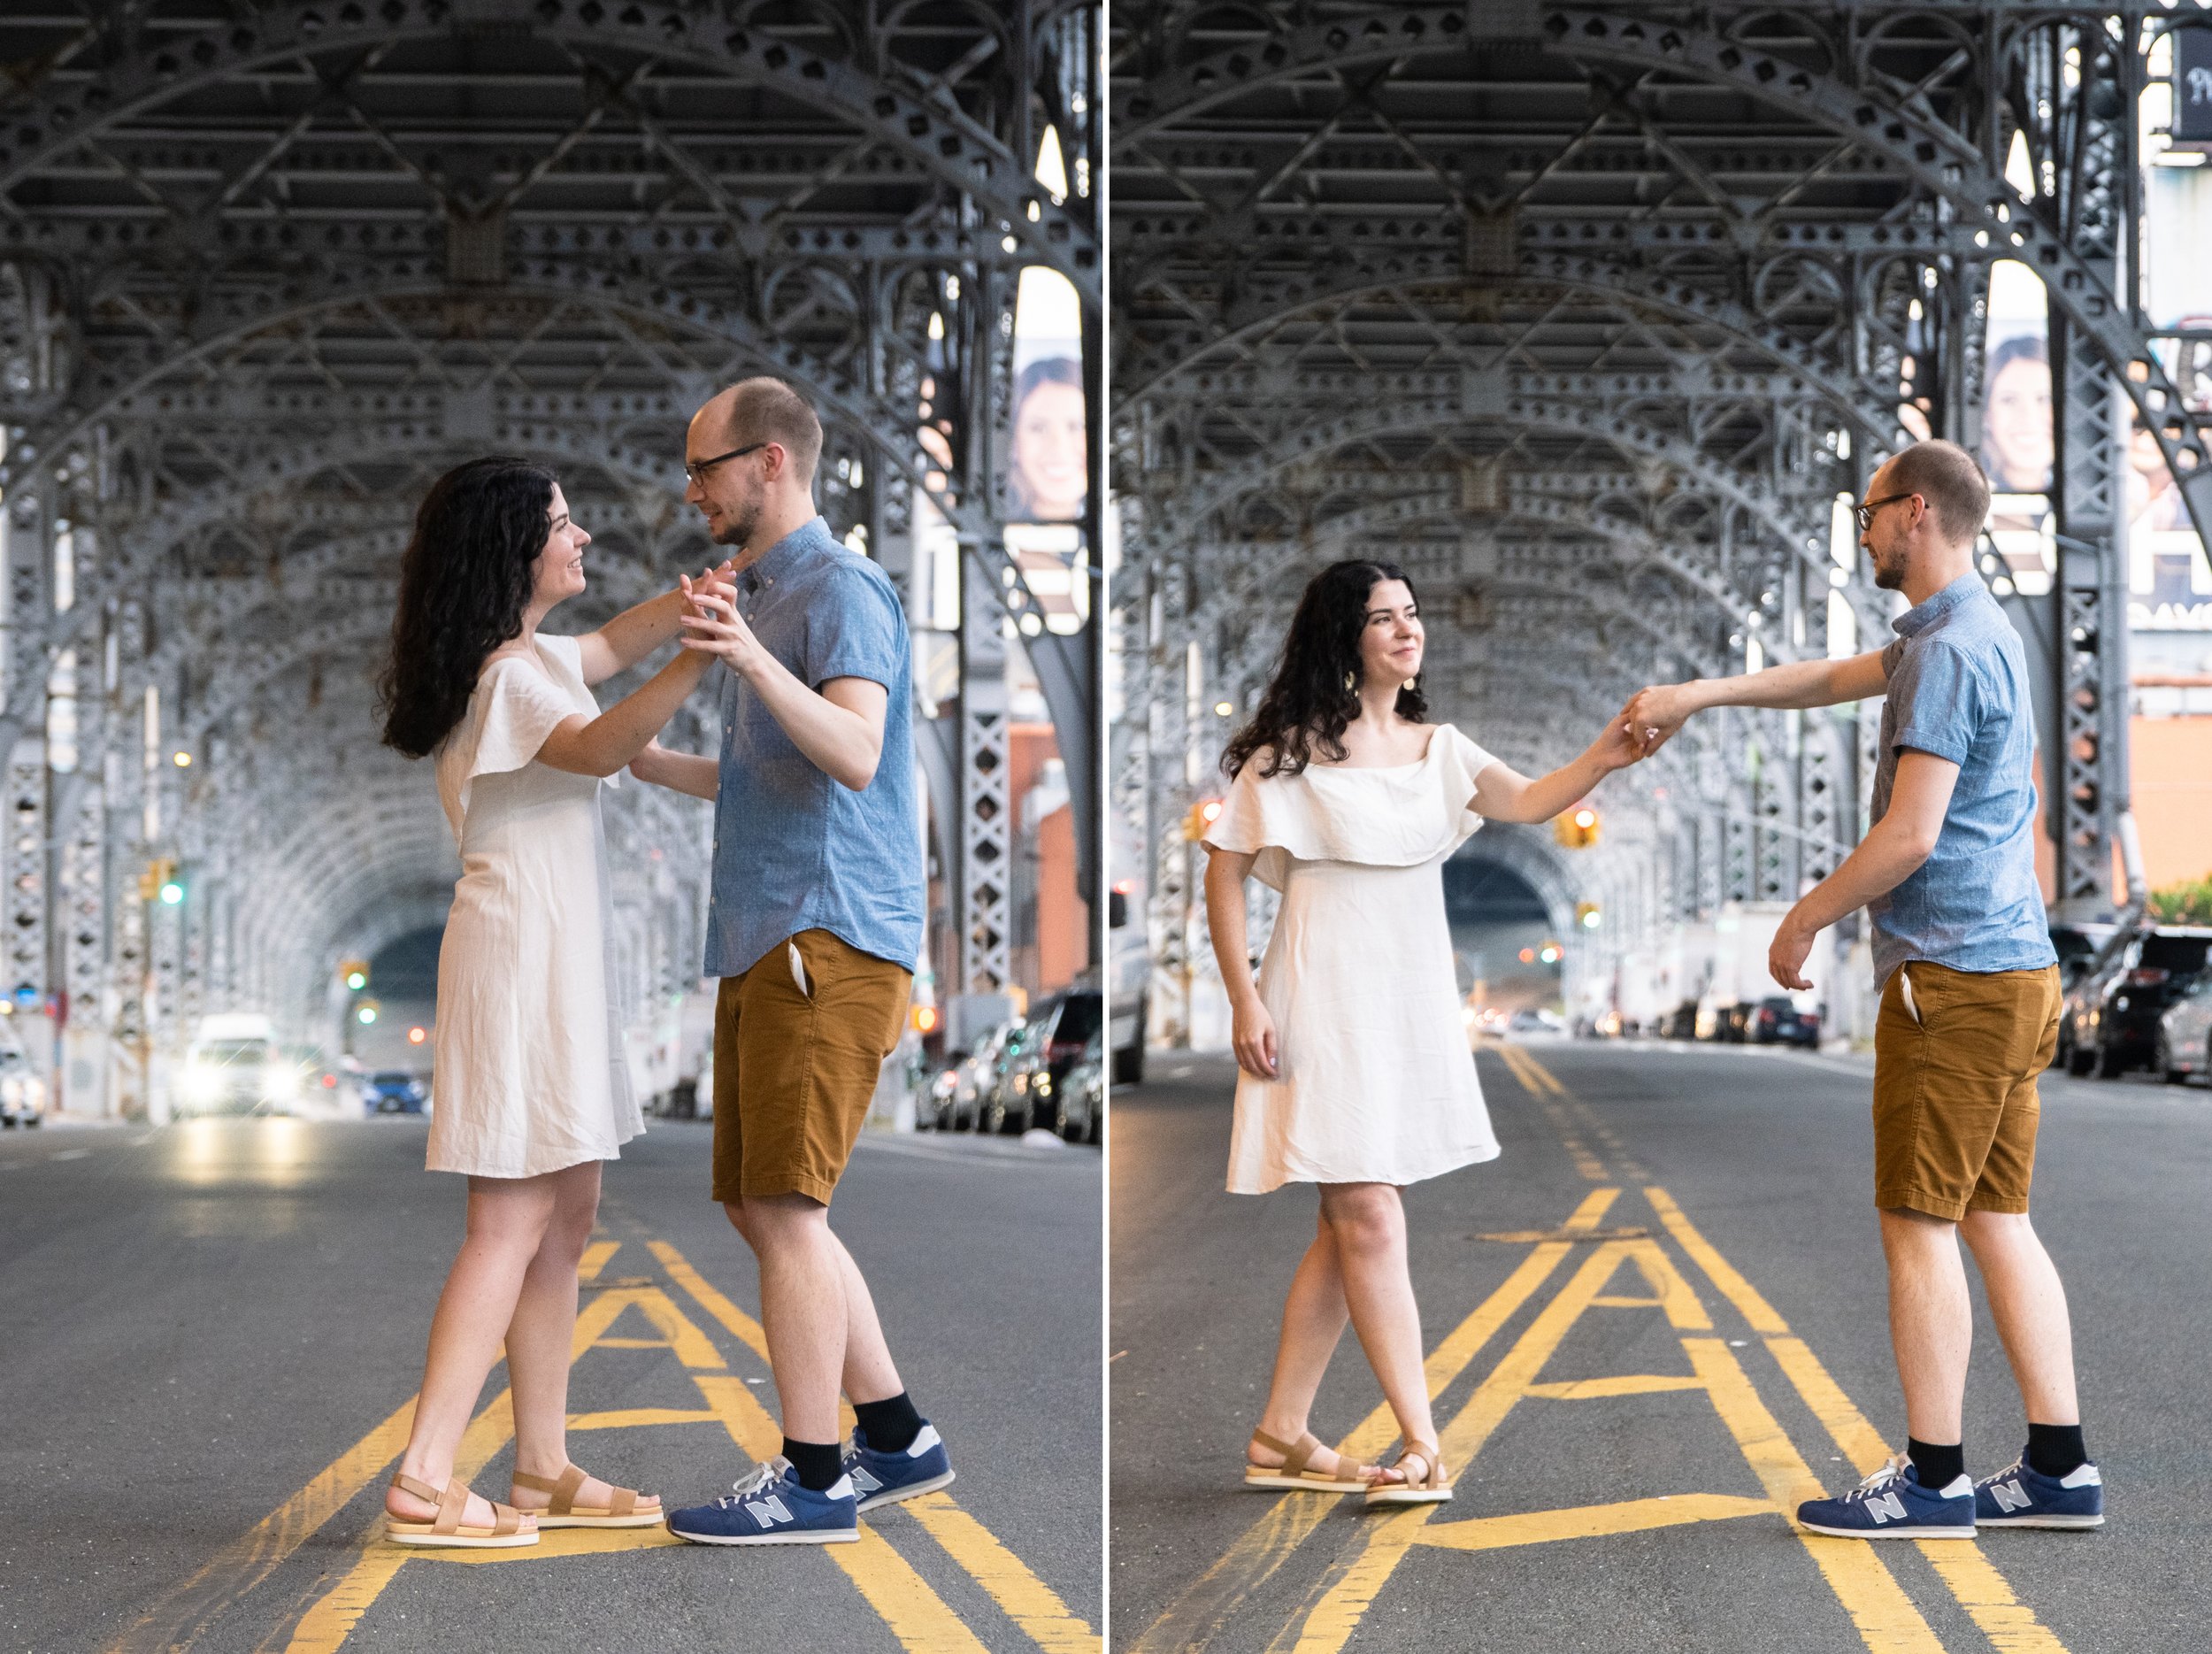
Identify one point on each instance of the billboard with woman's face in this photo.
(1048, 471)
(2017, 443)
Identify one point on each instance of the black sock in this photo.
(892, 1425)
(2055, 1449)
(1938, 1466)
(816, 1463)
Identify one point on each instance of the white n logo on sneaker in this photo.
(862, 1480)
(2010, 1495)
(1886, 1507)
(771, 1510)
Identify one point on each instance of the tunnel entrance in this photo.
(1500, 932)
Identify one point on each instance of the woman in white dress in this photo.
(530, 1090)
(1354, 1069)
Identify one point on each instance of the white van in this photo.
(234, 1068)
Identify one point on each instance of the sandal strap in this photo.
(1300, 1454)
(536, 1484)
(408, 1485)
(505, 1520)
(624, 1502)
(1269, 1442)
(453, 1503)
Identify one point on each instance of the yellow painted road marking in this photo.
(1888, 1622)
(1740, 1292)
(1029, 1601)
(595, 1258)
(563, 1541)
(332, 1618)
(181, 1614)
(1965, 1572)
(636, 1418)
(1194, 1616)
(1591, 1522)
(917, 1615)
(1026, 1598)
(1886, 1618)
(1625, 1384)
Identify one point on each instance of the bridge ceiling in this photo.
(266, 269)
(1585, 331)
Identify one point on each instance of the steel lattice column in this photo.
(985, 911)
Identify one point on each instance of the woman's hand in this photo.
(1253, 1035)
(1620, 743)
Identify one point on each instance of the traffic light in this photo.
(1588, 915)
(1202, 815)
(1577, 829)
(354, 973)
(159, 880)
(366, 1012)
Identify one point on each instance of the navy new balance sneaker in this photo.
(770, 1508)
(1891, 1504)
(885, 1478)
(2022, 1496)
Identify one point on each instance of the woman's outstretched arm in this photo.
(634, 633)
(1252, 1029)
(602, 745)
(678, 772)
(1503, 794)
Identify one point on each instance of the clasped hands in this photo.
(710, 622)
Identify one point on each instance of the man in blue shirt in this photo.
(1970, 1004)
(814, 927)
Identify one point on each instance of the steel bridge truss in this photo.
(267, 269)
(1589, 315)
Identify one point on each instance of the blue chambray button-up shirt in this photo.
(793, 849)
(1958, 687)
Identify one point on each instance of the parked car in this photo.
(394, 1091)
(2109, 1020)
(2184, 1034)
(964, 1098)
(1068, 1027)
(1006, 1090)
(1730, 1024)
(1680, 1023)
(1082, 1091)
(1776, 1021)
(22, 1092)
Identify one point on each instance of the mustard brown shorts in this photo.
(795, 1064)
(1956, 1054)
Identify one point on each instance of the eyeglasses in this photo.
(1865, 513)
(697, 469)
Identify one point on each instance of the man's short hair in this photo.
(769, 411)
(1950, 479)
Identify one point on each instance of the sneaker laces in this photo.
(762, 1477)
(1891, 1472)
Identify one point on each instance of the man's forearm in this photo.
(838, 741)
(1797, 683)
(1883, 860)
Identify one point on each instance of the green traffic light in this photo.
(367, 1013)
(171, 893)
(357, 981)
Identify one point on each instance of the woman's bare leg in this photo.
(507, 1221)
(1314, 1317)
(541, 1336)
(1370, 1222)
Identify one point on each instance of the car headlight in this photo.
(12, 1089)
(280, 1082)
(203, 1083)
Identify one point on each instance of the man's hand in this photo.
(1792, 942)
(712, 624)
(1655, 713)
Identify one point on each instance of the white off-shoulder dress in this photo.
(1376, 1079)
(530, 1076)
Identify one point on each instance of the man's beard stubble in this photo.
(1889, 576)
(737, 526)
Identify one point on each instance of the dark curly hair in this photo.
(462, 587)
(1304, 713)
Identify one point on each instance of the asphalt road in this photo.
(211, 1333)
(1631, 1409)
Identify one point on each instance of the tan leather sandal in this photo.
(447, 1528)
(1431, 1486)
(628, 1508)
(1292, 1474)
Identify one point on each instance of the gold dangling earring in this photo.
(1351, 680)
(1409, 685)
